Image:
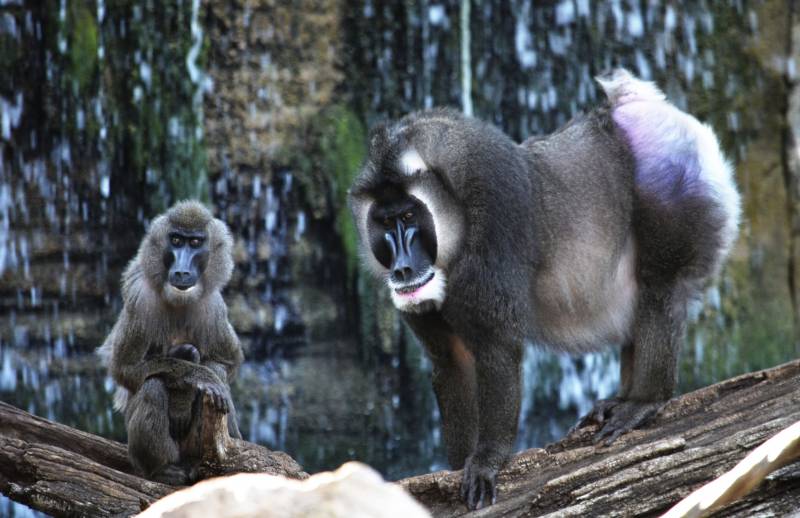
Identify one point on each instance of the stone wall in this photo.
(273, 70)
(273, 66)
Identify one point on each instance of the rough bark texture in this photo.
(65, 472)
(694, 439)
(778, 451)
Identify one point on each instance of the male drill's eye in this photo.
(407, 216)
(195, 242)
(176, 241)
(386, 222)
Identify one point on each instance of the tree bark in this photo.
(66, 472)
(694, 439)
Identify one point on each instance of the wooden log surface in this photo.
(66, 472)
(778, 451)
(695, 438)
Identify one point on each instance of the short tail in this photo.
(678, 158)
(622, 87)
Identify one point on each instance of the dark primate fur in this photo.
(169, 347)
(572, 241)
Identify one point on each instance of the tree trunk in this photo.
(66, 472)
(694, 439)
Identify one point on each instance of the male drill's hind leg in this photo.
(685, 214)
(601, 410)
(151, 448)
(650, 365)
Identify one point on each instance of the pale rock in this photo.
(352, 491)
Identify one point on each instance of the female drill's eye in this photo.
(176, 241)
(195, 242)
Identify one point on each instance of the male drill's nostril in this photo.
(402, 274)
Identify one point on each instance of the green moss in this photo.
(343, 149)
(82, 44)
(158, 142)
(751, 329)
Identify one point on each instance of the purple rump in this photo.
(665, 149)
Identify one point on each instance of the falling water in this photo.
(466, 59)
(104, 121)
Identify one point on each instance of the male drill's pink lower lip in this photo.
(411, 294)
(408, 294)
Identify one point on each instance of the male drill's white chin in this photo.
(427, 297)
(178, 296)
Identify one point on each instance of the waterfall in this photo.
(466, 59)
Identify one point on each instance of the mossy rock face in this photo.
(82, 45)
(341, 146)
(343, 149)
(274, 67)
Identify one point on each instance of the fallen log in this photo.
(66, 472)
(694, 439)
(779, 450)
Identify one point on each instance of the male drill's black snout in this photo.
(408, 257)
